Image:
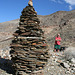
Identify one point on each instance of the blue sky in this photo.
(11, 9)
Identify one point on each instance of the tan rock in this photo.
(30, 3)
(59, 61)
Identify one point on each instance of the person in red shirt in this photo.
(57, 43)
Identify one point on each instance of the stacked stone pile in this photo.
(29, 50)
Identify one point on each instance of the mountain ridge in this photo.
(59, 22)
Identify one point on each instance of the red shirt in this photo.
(57, 40)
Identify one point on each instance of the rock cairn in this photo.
(29, 50)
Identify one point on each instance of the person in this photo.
(57, 43)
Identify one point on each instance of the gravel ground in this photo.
(53, 66)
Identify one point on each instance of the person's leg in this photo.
(54, 50)
(58, 48)
(55, 47)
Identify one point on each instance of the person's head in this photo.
(58, 35)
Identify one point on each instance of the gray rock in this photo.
(55, 60)
(65, 65)
(69, 53)
(72, 71)
(67, 62)
(73, 60)
(72, 65)
(67, 72)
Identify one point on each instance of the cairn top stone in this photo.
(30, 3)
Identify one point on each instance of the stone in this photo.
(54, 56)
(59, 61)
(65, 65)
(72, 65)
(55, 60)
(73, 68)
(72, 71)
(67, 72)
(73, 60)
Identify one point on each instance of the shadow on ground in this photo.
(6, 65)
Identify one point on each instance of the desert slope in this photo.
(62, 22)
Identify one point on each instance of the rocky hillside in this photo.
(59, 22)
(62, 22)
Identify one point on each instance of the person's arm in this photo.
(58, 39)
